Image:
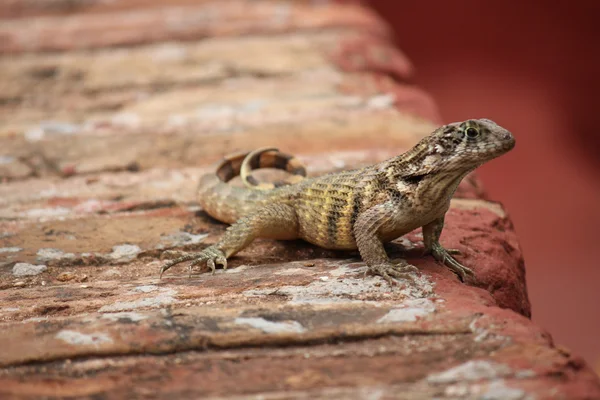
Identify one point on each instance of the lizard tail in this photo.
(268, 157)
(227, 202)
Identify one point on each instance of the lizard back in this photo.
(390, 198)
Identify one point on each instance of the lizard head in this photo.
(470, 143)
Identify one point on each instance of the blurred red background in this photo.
(533, 67)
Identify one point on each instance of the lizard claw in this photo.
(211, 255)
(403, 270)
(444, 256)
(455, 252)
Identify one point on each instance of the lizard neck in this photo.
(440, 187)
(421, 180)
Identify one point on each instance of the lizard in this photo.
(357, 209)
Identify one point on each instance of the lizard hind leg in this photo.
(275, 221)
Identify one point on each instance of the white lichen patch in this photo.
(168, 52)
(126, 120)
(10, 249)
(145, 289)
(25, 269)
(4, 160)
(409, 311)
(89, 206)
(344, 269)
(495, 390)
(291, 271)
(83, 339)
(125, 316)
(120, 254)
(347, 285)
(162, 298)
(237, 269)
(473, 370)
(51, 128)
(53, 255)
(111, 273)
(525, 374)
(381, 101)
(124, 253)
(270, 326)
(46, 213)
(482, 333)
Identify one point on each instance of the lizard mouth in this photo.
(509, 141)
(504, 142)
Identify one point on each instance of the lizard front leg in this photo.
(276, 221)
(366, 232)
(431, 239)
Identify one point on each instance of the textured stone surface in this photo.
(24, 269)
(180, 22)
(101, 146)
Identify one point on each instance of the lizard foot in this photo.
(211, 255)
(444, 256)
(403, 270)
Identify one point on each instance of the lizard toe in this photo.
(444, 256)
(389, 271)
(222, 261)
(211, 264)
(454, 252)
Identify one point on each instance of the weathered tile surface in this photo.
(109, 113)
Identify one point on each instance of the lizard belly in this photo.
(388, 234)
(330, 230)
(322, 233)
(325, 209)
(340, 245)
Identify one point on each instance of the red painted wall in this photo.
(533, 67)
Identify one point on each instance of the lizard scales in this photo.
(362, 208)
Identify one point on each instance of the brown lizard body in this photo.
(359, 209)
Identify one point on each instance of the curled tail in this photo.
(227, 202)
(269, 157)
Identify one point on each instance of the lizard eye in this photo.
(472, 133)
